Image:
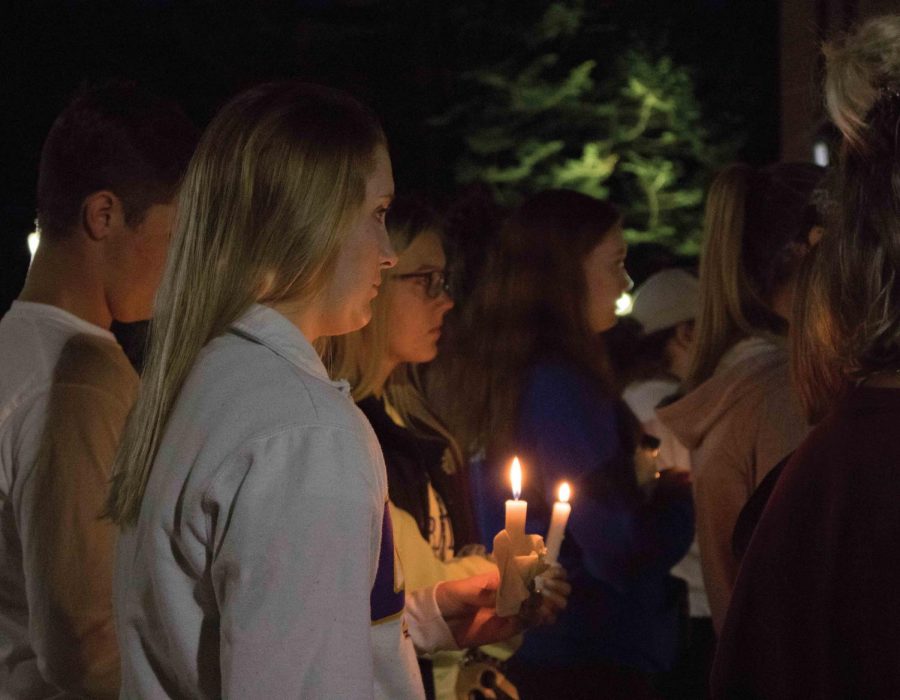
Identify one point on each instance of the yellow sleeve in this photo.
(420, 567)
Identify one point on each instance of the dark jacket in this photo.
(814, 612)
(413, 459)
(620, 544)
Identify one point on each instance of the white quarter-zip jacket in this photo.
(262, 561)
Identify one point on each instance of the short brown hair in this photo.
(114, 137)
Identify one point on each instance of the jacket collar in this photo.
(31, 309)
(263, 325)
(748, 348)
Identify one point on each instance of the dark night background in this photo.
(401, 56)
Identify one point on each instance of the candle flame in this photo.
(515, 476)
(564, 492)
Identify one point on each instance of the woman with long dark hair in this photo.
(534, 381)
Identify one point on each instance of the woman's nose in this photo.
(387, 256)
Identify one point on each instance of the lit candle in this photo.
(516, 509)
(561, 510)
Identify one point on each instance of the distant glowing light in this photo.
(34, 240)
(624, 304)
(820, 153)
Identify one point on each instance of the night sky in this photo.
(401, 57)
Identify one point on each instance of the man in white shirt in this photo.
(109, 172)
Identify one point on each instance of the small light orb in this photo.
(34, 240)
(820, 154)
(624, 304)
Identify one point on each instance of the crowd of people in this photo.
(293, 488)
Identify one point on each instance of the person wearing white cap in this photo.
(666, 299)
(665, 306)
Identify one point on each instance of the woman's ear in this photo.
(684, 333)
(102, 214)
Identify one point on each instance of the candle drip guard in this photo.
(520, 560)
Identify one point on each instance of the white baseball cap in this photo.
(666, 299)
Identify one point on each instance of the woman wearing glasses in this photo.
(430, 510)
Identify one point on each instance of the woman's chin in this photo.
(352, 322)
(426, 355)
(607, 325)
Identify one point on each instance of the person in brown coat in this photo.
(739, 416)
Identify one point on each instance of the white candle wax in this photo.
(560, 516)
(516, 510)
(515, 520)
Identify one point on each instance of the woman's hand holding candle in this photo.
(518, 556)
(468, 606)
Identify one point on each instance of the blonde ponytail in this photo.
(723, 286)
(756, 232)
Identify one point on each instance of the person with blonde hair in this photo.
(430, 507)
(533, 380)
(814, 613)
(739, 416)
(256, 551)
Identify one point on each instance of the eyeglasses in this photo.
(434, 282)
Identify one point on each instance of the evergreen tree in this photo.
(568, 112)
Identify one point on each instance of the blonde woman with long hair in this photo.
(425, 466)
(740, 417)
(256, 555)
(814, 611)
(430, 508)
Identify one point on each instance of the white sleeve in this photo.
(294, 568)
(427, 628)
